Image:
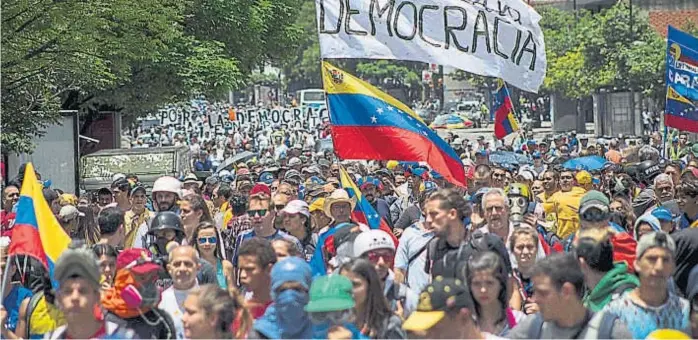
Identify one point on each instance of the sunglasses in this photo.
(210, 240)
(14, 194)
(375, 255)
(274, 188)
(279, 207)
(594, 215)
(260, 212)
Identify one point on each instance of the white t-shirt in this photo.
(172, 302)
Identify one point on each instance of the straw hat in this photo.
(338, 196)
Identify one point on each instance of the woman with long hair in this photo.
(373, 315)
(87, 225)
(106, 257)
(489, 286)
(207, 241)
(524, 245)
(193, 210)
(212, 313)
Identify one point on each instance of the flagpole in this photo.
(8, 263)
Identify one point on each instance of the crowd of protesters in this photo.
(274, 248)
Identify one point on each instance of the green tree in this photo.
(130, 55)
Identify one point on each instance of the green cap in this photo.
(330, 293)
(594, 199)
(694, 149)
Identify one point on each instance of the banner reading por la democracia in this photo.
(498, 38)
(682, 81)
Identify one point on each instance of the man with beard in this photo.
(166, 191)
(370, 188)
(445, 211)
(10, 197)
(182, 266)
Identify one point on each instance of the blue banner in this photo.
(682, 81)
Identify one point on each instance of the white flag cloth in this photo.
(498, 38)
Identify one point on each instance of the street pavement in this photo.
(488, 132)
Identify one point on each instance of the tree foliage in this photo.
(130, 55)
(606, 50)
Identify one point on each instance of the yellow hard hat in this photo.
(391, 165)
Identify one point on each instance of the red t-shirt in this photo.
(257, 309)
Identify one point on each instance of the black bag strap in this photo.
(421, 250)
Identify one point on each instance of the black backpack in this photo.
(454, 263)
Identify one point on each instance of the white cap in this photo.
(69, 212)
(371, 240)
(296, 207)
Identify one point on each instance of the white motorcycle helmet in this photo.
(371, 240)
(168, 184)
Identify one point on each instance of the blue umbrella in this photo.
(588, 163)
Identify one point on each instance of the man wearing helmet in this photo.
(377, 246)
(166, 191)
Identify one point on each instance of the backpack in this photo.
(599, 326)
(454, 263)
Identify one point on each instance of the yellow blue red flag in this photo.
(37, 232)
(504, 120)
(367, 123)
(364, 211)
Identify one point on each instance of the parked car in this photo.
(451, 121)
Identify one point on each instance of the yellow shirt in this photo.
(566, 207)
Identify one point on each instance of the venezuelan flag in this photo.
(369, 124)
(504, 120)
(36, 231)
(364, 211)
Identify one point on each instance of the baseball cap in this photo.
(294, 161)
(77, 263)
(657, 239)
(296, 207)
(137, 188)
(317, 204)
(259, 189)
(442, 295)
(138, 260)
(291, 269)
(662, 214)
(594, 199)
(69, 212)
(330, 293)
(583, 177)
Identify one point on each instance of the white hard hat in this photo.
(168, 184)
(371, 240)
